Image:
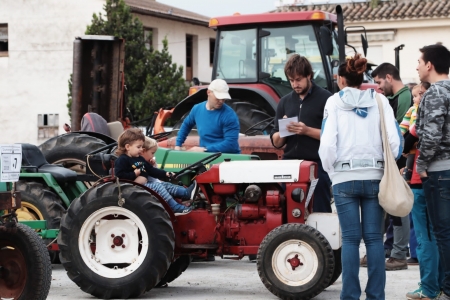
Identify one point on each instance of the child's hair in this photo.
(415, 88)
(426, 85)
(150, 143)
(129, 136)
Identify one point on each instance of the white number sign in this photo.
(11, 161)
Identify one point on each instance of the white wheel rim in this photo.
(131, 249)
(302, 273)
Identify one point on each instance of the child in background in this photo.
(149, 150)
(409, 121)
(132, 166)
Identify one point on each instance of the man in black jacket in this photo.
(307, 103)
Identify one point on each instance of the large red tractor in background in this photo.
(250, 54)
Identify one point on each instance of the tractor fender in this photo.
(107, 139)
(160, 199)
(265, 94)
(328, 225)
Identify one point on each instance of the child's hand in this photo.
(153, 162)
(170, 174)
(137, 172)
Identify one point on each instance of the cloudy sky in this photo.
(215, 8)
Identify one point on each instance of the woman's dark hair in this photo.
(129, 136)
(353, 70)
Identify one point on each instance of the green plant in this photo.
(151, 79)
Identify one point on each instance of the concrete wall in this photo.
(414, 34)
(176, 35)
(34, 75)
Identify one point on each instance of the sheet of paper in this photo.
(282, 125)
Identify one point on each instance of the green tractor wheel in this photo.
(40, 204)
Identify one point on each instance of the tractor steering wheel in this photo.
(197, 165)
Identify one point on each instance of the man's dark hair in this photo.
(438, 56)
(297, 66)
(384, 69)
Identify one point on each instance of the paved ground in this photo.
(229, 279)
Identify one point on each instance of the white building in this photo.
(36, 57)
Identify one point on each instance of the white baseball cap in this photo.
(220, 89)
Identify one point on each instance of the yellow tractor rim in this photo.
(29, 212)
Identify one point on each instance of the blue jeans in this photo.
(412, 238)
(176, 190)
(349, 197)
(437, 194)
(161, 190)
(427, 250)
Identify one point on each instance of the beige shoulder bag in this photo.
(395, 195)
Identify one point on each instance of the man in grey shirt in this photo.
(433, 163)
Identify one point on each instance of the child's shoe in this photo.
(182, 210)
(192, 190)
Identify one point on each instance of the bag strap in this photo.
(384, 138)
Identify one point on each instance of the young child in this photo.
(409, 121)
(132, 166)
(149, 150)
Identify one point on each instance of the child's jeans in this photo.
(176, 190)
(162, 191)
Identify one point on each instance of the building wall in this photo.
(176, 35)
(414, 34)
(34, 76)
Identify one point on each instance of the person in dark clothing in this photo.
(307, 102)
(388, 79)
(132, 166)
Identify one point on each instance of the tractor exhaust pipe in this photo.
(341, 34)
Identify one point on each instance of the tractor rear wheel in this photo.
(26, 271)
(113, 251)
(70, 149)
(295, 261)
(40, 204)
(249, 114)
(337, 266)
(176, 269)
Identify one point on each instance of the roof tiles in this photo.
(385, 10)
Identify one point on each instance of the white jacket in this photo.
(351, 132)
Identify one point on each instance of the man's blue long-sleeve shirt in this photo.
(218, 129)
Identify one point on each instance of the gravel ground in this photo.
(230, 279)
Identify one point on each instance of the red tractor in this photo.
(120, 239)
(250, 54)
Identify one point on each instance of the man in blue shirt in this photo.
(217, 123)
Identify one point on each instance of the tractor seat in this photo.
(34, 162)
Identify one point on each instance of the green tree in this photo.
(152, 80)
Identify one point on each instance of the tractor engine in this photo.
(243, 201)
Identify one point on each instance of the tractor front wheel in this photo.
(113, 251)
(295, 261)
(25, 268)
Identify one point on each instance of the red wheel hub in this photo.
(295, 262)
(13, 272)
(117, 241)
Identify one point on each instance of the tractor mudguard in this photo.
(328, 225)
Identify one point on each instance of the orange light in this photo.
(192, 90)
(213, 22)
(318, 16)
